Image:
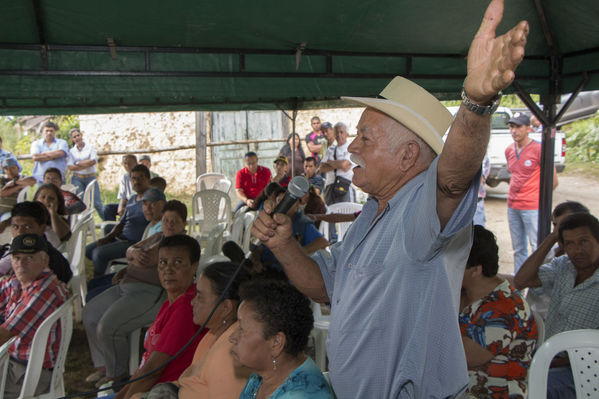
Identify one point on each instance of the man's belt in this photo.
(83, 176)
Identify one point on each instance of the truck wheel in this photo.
(491, 182)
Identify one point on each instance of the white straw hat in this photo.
(413, 107)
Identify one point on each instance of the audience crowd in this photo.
(418, 308)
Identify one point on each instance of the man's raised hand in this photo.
(492, 61)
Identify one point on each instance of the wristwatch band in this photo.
(481, 109)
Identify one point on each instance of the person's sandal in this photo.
(95, 376)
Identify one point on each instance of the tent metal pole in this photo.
(562, 111)
(294, 116)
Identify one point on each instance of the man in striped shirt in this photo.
(27, 298)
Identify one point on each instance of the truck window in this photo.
(499, 120)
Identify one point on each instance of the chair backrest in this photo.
(248, 221)
(210, 208)
(4, 357)
(237, 228)
(320, 321)
(340, 207)
(69, 187)
(540, 328)
(211, 181)
(583, 350)
(38, 351)
(88, 195)
(23, 194)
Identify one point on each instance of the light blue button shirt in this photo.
(40, 146)
(394, 284)
(87, 152)
(571, 307)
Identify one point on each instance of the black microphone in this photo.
(234, 252)
(298, 187)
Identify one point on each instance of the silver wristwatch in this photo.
(481, 109)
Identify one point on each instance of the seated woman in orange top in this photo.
(212, 374)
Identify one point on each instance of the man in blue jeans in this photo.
(524, 163)
(129, 230)
(82, 164)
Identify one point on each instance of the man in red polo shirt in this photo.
(524, 163)
(250, 181)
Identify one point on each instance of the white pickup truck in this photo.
(501, 138)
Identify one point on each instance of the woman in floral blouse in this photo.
(498, 328)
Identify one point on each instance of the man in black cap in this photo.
(27, 298)
(524, 163)
(33, 217)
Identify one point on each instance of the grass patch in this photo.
(584, 169)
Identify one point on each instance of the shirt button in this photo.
(350, 265)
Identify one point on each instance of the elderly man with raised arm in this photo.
(394, 281)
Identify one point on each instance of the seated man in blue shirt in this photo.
(573, 282)
(129, 230)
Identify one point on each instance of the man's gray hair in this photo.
(340, 124)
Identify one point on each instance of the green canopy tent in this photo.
(66, 56)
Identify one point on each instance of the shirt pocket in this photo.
(368, 269)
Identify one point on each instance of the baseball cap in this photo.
(28, 244)
(281, 158)
(326, 125)
(8, 162)
(145, 157)
(520, 119)
(153, 195)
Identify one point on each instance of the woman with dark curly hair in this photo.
(498, 328)
(275, 321)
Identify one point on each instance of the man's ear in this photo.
(408, 155)
(477, 270)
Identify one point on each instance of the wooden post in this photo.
(200, 143)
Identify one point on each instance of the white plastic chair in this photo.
(320, 332)
(540, 328)
(213, 181)
(340, 207)
(69, 187)
(88, 195)
(248, 221)
(210, 217)
(134, 339)
(23, 194)
(76, 254)
(237, 228)
(4, 358)
(38, 351)
(583, 350)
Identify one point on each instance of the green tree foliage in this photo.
(8, 133)
(582, 139)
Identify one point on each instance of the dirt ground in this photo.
(571, 187)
